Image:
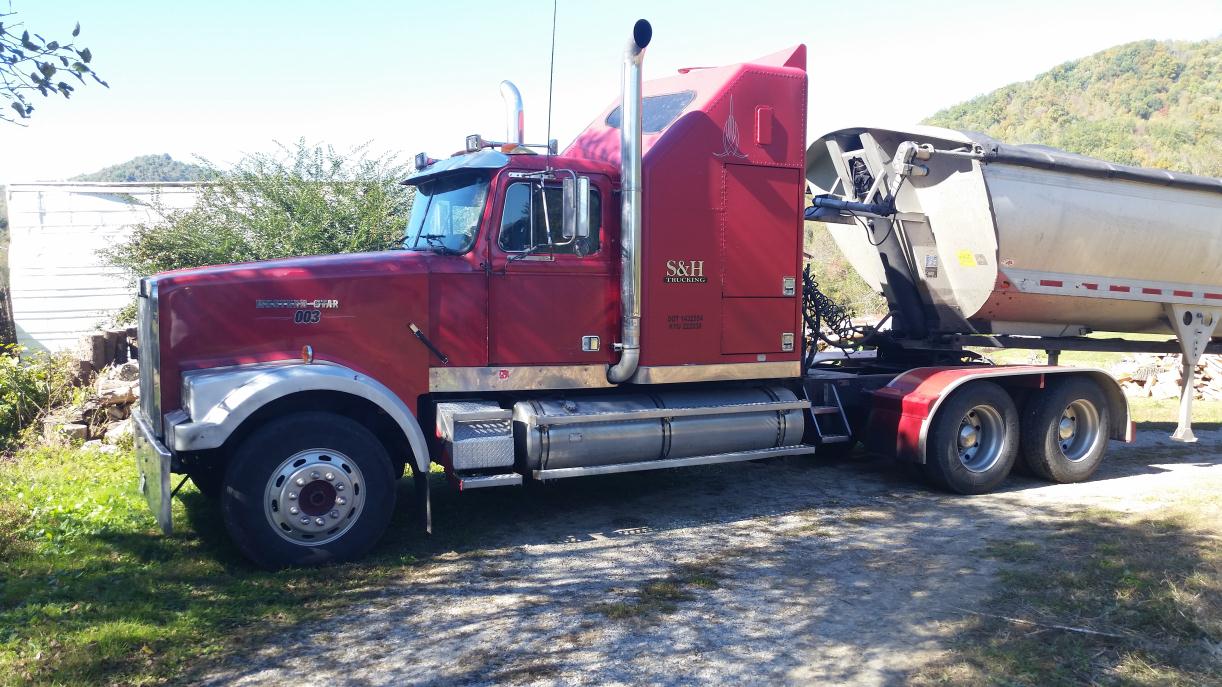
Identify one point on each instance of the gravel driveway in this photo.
(787, 571)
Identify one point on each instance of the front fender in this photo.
(216, 402)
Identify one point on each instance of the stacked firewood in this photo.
(1160, 376)
(103, 418)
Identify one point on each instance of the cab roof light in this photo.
(423, 160)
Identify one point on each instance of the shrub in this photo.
(30, 385)
(304, 200)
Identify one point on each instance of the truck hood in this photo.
(312, 266)
(354, 310)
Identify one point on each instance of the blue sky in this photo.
(222, 78)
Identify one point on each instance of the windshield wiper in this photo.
(435, 240)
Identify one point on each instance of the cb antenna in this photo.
(551, 77)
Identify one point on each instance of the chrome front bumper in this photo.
(153, 463)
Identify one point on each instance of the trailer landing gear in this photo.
(1194, 327)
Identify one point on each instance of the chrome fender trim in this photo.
(217, 401)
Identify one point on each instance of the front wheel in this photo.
(306, 489)
(973, 440)
(1065, 431)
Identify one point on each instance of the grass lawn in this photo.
(90, 594)
(1107, 598)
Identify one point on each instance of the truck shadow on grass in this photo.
(788, 570)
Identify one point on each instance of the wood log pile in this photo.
(104, 418)
(1160, 376)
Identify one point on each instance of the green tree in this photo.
(32, 64)
(304, 200)
(149, 168)
(1149, 103)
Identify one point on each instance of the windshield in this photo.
(446, 213)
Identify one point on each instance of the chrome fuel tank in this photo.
(557, 433)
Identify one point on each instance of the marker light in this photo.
(423, 160)
(474, 142)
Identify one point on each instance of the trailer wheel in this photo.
(1065, 430)
(306, 489)
(973, 441)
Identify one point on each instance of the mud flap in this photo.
(424, 504)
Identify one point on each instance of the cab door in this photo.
(552, 300)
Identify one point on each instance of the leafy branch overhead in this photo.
(32, 64)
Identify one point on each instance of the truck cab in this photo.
(506, 260)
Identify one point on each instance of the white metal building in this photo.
(60, 288)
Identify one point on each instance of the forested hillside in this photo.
(148, 168)
(1154, 104)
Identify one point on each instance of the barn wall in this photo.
(59, 287)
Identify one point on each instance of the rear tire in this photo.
(1065, 430)
(973, 440)
(307, 489)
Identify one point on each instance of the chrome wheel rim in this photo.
(314, 497)
(980, 438)
(1078, 430)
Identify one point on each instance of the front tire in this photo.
(307, 489)
(1065, 431)
(973, 440)
(209, 479)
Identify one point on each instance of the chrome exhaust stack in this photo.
(515, 122)
(630, 208)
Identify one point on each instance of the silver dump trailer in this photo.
(967, 235)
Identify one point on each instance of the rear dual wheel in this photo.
(977, 434)
(1065, 430)
(973, 441)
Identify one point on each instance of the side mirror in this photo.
(568, 195)
(583, 207)
(575, 195)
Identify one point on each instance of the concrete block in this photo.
(96, 350)
(120, 337)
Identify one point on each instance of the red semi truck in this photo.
(635, 302)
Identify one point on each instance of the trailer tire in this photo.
(306, 489)
(973, 440)
(1065, 430)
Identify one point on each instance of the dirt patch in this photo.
(790, 571)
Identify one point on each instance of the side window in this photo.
(532, 221)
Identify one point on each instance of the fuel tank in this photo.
(556, 433)
(1024, 240)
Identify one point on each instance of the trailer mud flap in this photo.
(153, 465)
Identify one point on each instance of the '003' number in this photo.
(307, 316)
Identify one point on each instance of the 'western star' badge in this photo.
(317, 303)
